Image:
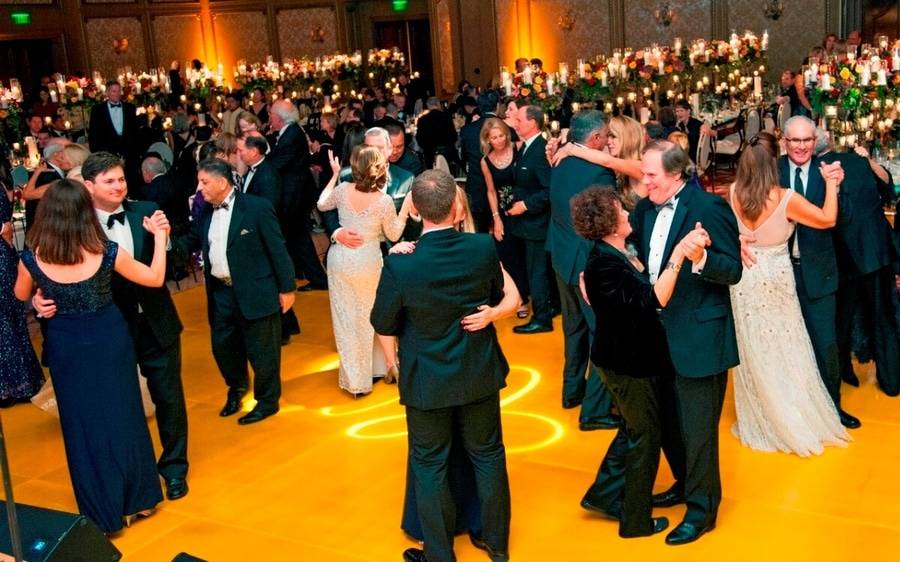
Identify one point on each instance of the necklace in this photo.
(502, 163)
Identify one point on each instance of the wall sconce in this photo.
(664, 15)
(566, 21)
(317, 35)
(773, 9)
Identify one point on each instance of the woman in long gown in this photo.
(20, 373)
(353, 273)
(91, 355)
(781, 402)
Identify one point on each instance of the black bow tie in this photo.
(670, 204)
(223, 205)
(111, 104)
(120, 217)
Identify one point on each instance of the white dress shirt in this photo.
(218, 239)
(117, 118)
(658, 239)
(250, 173)
(120, 233)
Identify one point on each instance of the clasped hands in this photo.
(694, 243)
(157, 223)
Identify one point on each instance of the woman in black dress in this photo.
(20, 373)
(632, 354)
(91, 355)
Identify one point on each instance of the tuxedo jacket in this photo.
(422, 297)
(818, 261)
(103, 136)
(265, 183)
(693, 134)
(532, 176)
(155, 302)
(864, 244)
(258, 260)
(568, 250)
(698, 320)
(470, 145)
(289, 154)
(163, 191)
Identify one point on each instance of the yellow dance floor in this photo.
(324, 479)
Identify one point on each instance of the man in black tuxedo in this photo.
(688, 125)
(290, 156)
(160, 188)
(813, 256)
(422, 298)
(113, 124)
(435, 132)
(149, 311)
(249, 283)
(400, 157)
(698, 324)
(263, 180)
(866, 252)
(530, 214)
(470, 145)
(53, 167)
(568, 255)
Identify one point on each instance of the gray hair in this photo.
(584, 124)
(52, 148)
(536, 114)
(433, 103)
(379, 132)
(153, 166)
(674, 158)
(286, 111)
(823, 141)
(181, 123)
(800, 119)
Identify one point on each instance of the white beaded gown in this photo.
(781, 402)
(353, 276)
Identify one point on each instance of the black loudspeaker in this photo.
(56, 536)
(185, 557)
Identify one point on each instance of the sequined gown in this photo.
(353, 276)
(20, 373)
(781, 401)
(92, 364)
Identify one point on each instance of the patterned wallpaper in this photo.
(101, 34)
(692, 20)
(109, 1)
(589, 34)
(298, 31)
(801, 27)
(22, 2)
(178, 38)
(241, 35)
(445, 45)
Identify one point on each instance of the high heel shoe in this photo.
(393, 374)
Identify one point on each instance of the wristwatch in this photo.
(673, 266)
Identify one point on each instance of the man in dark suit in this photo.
(568, 255)
(263, 180)
(160, 188)
(53, 167)
(422, 298)
(698, 324)
(400, 157)
(290, 156)
(249, 283)
(149, 311)
(813, 256)
(470, 146)
(688, 125)
(436, 133)
(113, 125)
(866, 252)
(530, 214)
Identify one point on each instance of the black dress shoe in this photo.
(660, 524)
(668, 498)
(176, 488)
(533, 328)
(850, 378)
(849, 421)
(285, 340)
(495, 555)
(255, 416)
(594, 507)
(569, 404)
(233, 404)
(414, 555)
(686, 533)
(311, 287)
(606, 422)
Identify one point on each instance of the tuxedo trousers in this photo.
(873, 295)
(161, 366)
(237, 341)
(431, 434)
(624, 484)
(820, 317)
(581, 381)
(690, 409)
(302, 249)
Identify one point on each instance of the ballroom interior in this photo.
(323, 480)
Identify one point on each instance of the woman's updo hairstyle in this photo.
(369, 168)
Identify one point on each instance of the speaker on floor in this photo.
(56, 536)
(185, 557)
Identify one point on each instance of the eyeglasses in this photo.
(800, 142)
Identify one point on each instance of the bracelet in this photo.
(496, 214)
(673, 266)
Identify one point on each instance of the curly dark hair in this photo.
(595, 212)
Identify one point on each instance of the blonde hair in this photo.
(76, 154)
(680, 139)
(489, 125)
(466, 222)
(631, 140)
(369, 168)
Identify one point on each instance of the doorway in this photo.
(413, 38)
(28, 60)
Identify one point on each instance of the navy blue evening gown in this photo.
(94, 371)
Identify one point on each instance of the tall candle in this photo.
(53, 96)
(895, 60)
(757, 85)
(765, 40)
(826, 82)
(882, 78)
(580, 64)
(31, 145)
